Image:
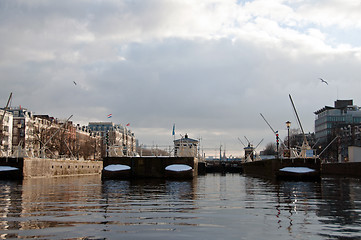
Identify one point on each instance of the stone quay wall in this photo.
(42, 167)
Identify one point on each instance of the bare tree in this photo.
(270, 149)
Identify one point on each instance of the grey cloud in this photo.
(123, 64)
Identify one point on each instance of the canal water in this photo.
(213, 206)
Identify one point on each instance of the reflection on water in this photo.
(213, 206)
(340, 211)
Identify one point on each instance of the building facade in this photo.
(328, 119)
(6, 133)
(88, 144)
(119, 140)
(23, 132)
(339, 125)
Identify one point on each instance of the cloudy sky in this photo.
(208, 66)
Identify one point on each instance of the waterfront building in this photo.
(349, 136)
(186, 147)
(119, 140)
(52, 138)
(89, 144)
(59, 138)
(328, 118)
(23, 137)
(344, 121)
(6, 133)
(43, 136)
(42, 128)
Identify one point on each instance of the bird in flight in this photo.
(323, 81)
(74, 82)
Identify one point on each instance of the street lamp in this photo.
(288, 124)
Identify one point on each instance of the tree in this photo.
(270, 149)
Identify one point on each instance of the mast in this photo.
(298, 119)
(268, 124)
(305, 146)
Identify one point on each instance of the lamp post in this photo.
(288, 124)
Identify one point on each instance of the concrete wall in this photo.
(351, 169)
(40, 167)
(264, 168)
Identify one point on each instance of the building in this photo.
(60, 138)
(42, 128)
(342, 121)
(186, 147)
(42, 136)
(88, 144)
(119, 140)
(6, 133)
(343, 113)
(23, 132)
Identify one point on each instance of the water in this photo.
(230, 206)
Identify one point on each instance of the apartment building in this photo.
(6, 133)
(119, 140)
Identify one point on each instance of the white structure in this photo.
(354, 154)
(6, 133)
(186, 147)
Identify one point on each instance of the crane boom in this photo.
(298, 119)
(6, 108)
(268, 124)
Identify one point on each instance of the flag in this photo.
(173, 132)
(128, 124)
(110, 115)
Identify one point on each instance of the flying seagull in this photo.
(323, 81)
(74, 82)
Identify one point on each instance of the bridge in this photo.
(149, 167)
(218, 166)
(110, 167)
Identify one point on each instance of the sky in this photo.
(208, 66)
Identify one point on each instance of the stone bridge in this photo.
(150, 167)
(14, 164)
